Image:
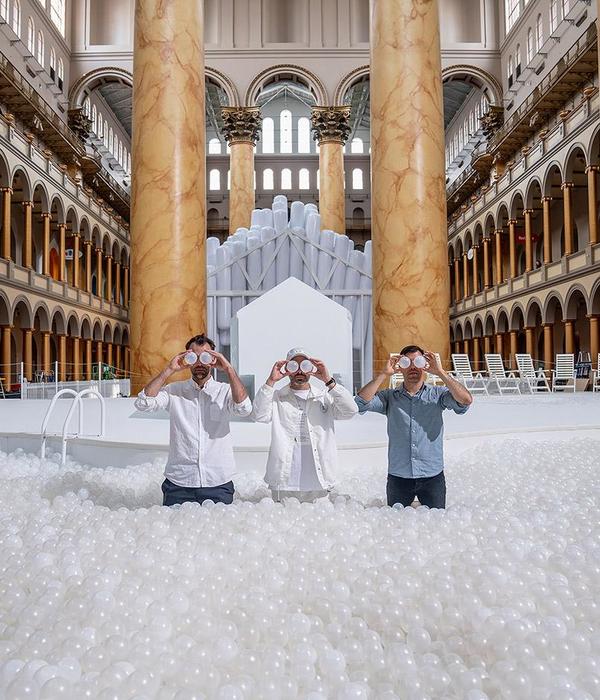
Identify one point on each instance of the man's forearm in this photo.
(459, 392)
(238, 390)
(369, 390)
(156, 384)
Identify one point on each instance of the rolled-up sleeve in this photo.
(378, 404)
(448, 401)
(344, 406)
(241, 409)
(262, 411)
(153, 403)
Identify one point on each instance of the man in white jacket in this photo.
(302, 458)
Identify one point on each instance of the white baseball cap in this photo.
(294, 352)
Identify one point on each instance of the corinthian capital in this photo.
(241, 124)
(330, 124)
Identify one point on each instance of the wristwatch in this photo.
(330, 382)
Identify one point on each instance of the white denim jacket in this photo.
(279, 407)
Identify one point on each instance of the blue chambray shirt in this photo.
(415, 428)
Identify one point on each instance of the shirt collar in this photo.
(211, 387)
(412, 396)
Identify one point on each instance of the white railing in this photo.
(253, 261)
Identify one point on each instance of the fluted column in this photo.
(529, 341)
(88, 266)
(486, 263)
(109, 354)
(566, 188)
(98, 351)
(88, 359)
(408, 178)
(76, 239)
(475, 270)
(514, 337)
(28, 234)
(569, 336)
(331, 126)
(487, 345)
(62, 234)
(528, 242)
(108, 294)
(512, 247)
(592, 178)
(76, 362)
(594, 339)
(126, 286)
(500, 344)
(548, 346)
(28, 353)
(6, 211)
(465, 275)
(46, 351)
(547, 232)
(457, 289)
(99, 272)
(168, 207)
(117, 282)
(47, 220)
(241, 127)
(6, 369)
(62, 358)
(499, 266)
(476, 353)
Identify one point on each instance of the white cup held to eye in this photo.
(306, 366)
(419, 362)
(206, 358)
(190, 357)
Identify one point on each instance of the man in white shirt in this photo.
(200, 463)
(302, 458)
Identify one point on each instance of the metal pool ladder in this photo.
(65, 435)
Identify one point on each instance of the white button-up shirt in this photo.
(280, 407)
(200, 446)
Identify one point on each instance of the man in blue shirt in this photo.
(415, 425)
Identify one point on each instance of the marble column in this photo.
(6, 364)
(512, 247)
(487, 345)
(6, 212)
(27, 234)
(594, 339)
(331, 126)
(499, 265)
(168, 198)
(28, 353)
(409, 227)
(486, 262)
(46, 352)
(548, 346)
(476, 354)
(475, 269)
(62, 234)
(47, 220)
(592, 180)
(109, 261)
(465, 275)
(99, 272)
(500, 344)
(76, 240)
(109, 354)
(76, 362)
(88, 359)
(569, 336)
(88, 266)
(547, 231)
(127, 361)
(466, 348)
(99, 351)
(457, 290)
(62, 358)
(125, 286)
(513, 345)
(529, 341)
(241, 127)
(118, 364)
(118, 282)
(528, 242)
(566, 188)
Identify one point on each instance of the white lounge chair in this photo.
(596, 376)
(535, 380)
(564, 375)
(464, 374)
(505, 383)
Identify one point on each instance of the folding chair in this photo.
(596, 376)
(2, 380)
(505, 383)
(535, 381)
(564, 371)
(464, 374)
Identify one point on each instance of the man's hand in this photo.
(434, 366)
(177, 363)
(221, 361)
(321, 372)
(391, 366)
(277, 373)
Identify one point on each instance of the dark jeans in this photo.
(173, 494)
(431, 491)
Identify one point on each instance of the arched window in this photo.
(285, 131)
(303, 135)
(530, 45)
(510, 69)
(214, 179)
(31, 36)
(566, 7)
(539, 33)
(111, 139)
(268, 135)
(61, 70)
(4, 9)
(268, 181)
(518, 58)
(52, 63)
(86, 106)
(357, 179)
(214, 146)
(57, 14)
(553, 15)
(304, 179)
(16, 17)
(39, 54)
(94, 118)
(357, 145)
(128, 162)
(105, 133)
(286, 179)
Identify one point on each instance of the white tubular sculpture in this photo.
(254, 260)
